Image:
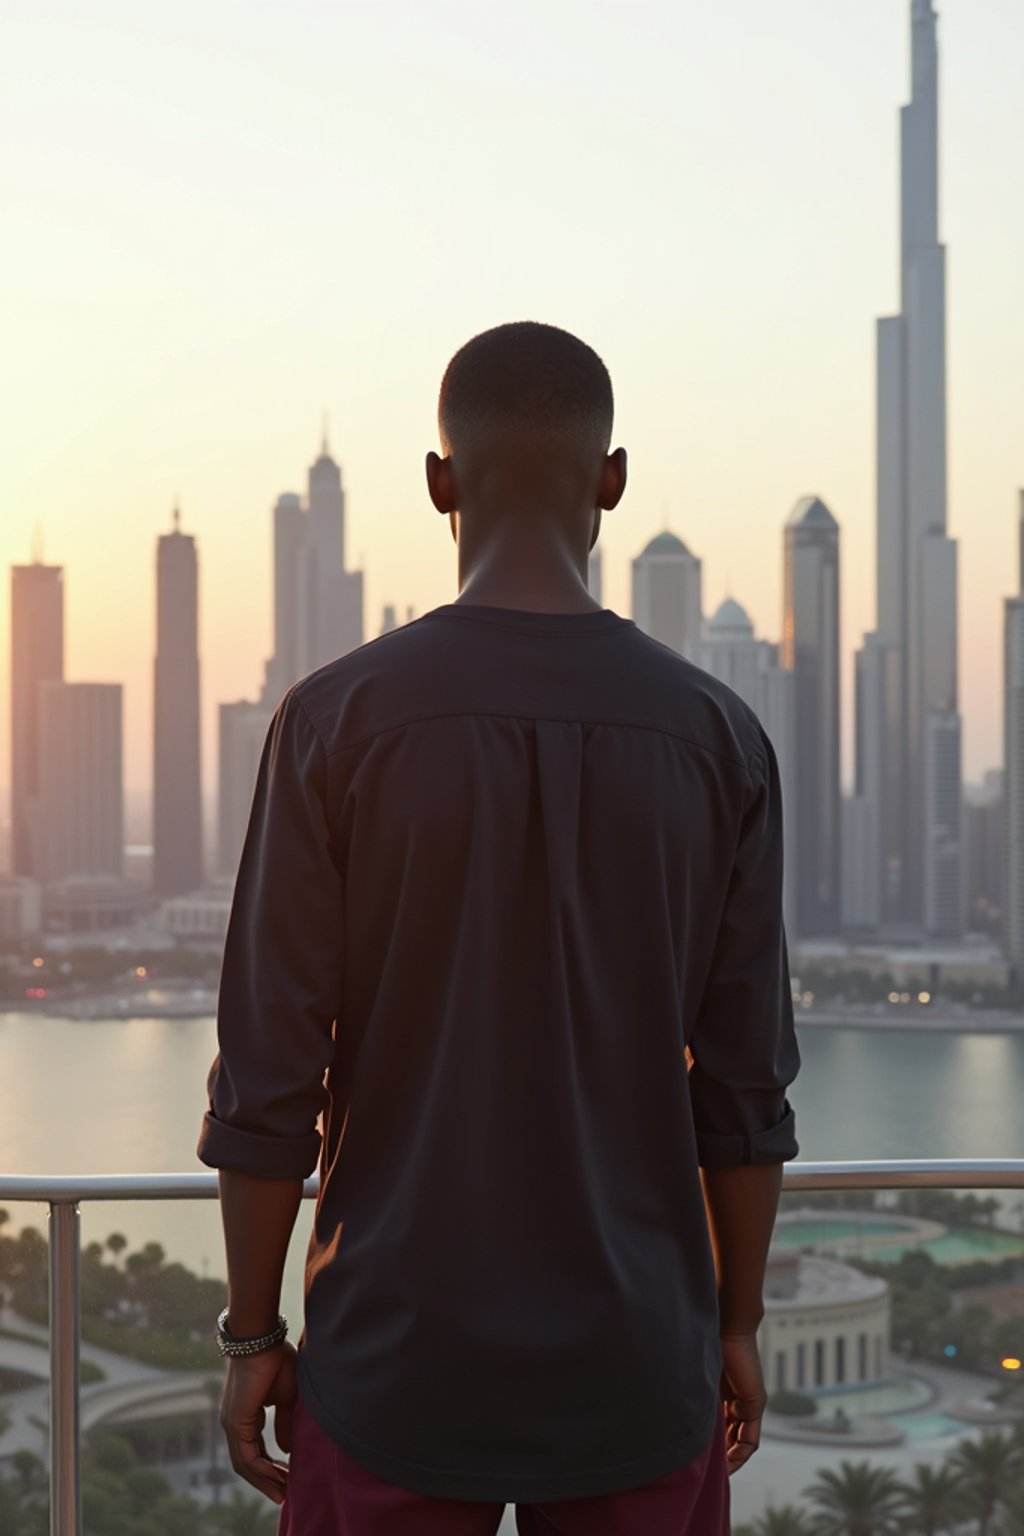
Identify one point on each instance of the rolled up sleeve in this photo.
(281, 974)
(743, 1049)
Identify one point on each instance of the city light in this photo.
(894, 997)
(1011, 1363)
(924, 997)
(140, 970)
(38, 961)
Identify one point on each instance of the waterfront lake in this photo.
(127, 1095)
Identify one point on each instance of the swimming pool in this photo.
(930, 1426)
(879, 1399)
(802, 1234)
(960, 1245)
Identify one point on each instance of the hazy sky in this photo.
(222, 219)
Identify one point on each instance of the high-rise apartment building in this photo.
(916, 560)
(1013, 761)
(810, 650)
(80, 822)
(858, 889)
(243, 730)
(318, 601)
(667, 594)
(984, 853)
(177, 800)
(37, 657)
(944, 815)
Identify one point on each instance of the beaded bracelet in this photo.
(232, 1347)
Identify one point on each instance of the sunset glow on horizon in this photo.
(225, 224)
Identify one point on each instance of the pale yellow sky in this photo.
(222, 220)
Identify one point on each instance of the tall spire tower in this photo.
(916, 811)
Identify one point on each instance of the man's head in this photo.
(525, 419)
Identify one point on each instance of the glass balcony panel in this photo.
(152, 1286)
(24, 1364)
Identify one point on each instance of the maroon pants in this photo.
(331, 1495)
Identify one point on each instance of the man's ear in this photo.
(441, 483)
(612, 483)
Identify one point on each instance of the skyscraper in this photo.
(288, 662)
(318, 601)
(1013, 760)
(177, 813)
(810, 649)
(243, 729)
(916, 561)
(80, 825)
(37, 656)
(750, 667)
(667, 594)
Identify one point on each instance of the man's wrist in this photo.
(739, 1321)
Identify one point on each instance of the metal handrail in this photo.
(883, 1173)
(64, 1194)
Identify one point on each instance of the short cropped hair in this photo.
(526, 378)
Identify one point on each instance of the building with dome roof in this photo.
(731, 652)
(667, 594)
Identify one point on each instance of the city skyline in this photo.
(176, 351)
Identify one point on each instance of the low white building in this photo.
(825, 1325)
(201, 915)
(21, 909)
(90, 903)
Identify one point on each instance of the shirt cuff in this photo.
(776, 1145)
(265, 1157)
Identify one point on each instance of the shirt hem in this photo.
(511, 1487)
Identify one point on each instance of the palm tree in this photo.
(117, 1243)
(858, 1500)
(934, 1499)
(787, 1520)
(988, 1470)
(1011, 1519)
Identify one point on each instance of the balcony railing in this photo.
(64, 1196)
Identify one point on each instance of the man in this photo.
(512, 881)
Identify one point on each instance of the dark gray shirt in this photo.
(502, 870)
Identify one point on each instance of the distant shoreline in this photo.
(921, 1019)
(114, 1006)
(201, 1003)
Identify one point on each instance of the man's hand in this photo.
(255, 1383)
(744, 1397)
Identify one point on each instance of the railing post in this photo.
(65, 1329)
